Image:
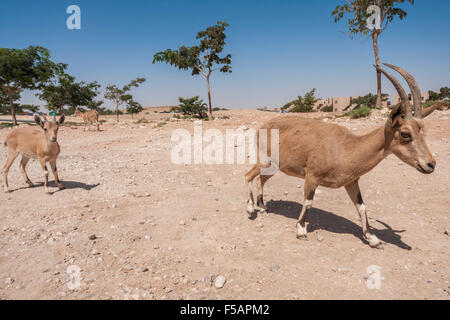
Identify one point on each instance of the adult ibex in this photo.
(34, 143)
(88, 117)
(329, 155)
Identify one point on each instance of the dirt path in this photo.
(164, 231)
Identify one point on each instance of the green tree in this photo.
(358, 24)
(192, 107)
(369, 100)
(5, 107)
(66, 92)
(134, 107)
(28, 68)
(303, 104)
(201, 59)
(121, 96)
(443, 94)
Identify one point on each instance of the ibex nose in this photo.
(431, 165)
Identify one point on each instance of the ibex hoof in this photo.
(250, 208)
(6, 190)
(374, 242)
(303, 237)
(61, 187)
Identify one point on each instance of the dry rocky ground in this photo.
(139, 227)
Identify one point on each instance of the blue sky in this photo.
(280, 48)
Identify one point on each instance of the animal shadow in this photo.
(323, 220)
(67, 185)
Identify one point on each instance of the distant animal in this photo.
(34, 143)
(90, 117)
(329, 155)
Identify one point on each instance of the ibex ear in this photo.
(396, 115)
(61, 119)
(39, 121)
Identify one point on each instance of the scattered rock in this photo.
(208, 279)
(93, 237)
(219, 282)
(9, 281)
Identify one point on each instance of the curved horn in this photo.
(415, 90)
(403, 96)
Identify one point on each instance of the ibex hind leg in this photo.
(260, 181)
(12, 155)
(23, 165)
(309, 191)
(249, 177)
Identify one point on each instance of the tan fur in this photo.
(90, 117)
(34, 143)
(329, 155)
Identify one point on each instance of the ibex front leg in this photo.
(355, 194)
(310, 190)
(55, 174)
(44, 168)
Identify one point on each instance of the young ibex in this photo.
(37, 144)
(329, 155)
(90, 117)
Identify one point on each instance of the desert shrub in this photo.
(142, 120)
(327, 109)
(193, 107)
(359, 112)
(303, 104)
(71, 123)
(161, 124)
(369, 100)
(5, 125)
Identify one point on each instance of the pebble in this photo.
(92, 237)
(219, 282)
(208, 279)
(9, 281)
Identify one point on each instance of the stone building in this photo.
(425, 97)
(340, 104)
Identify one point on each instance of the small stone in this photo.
(219, 282)
(182, 223)
(260, 225)
(113, 206)
(286, 193)
(208, 279)
(447, 232)
(92, 237)
(319, 238)
(155, 246)
(9, 281)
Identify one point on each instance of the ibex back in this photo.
(35, 143)
(329, 155)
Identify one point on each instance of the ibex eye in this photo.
(405, 135)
